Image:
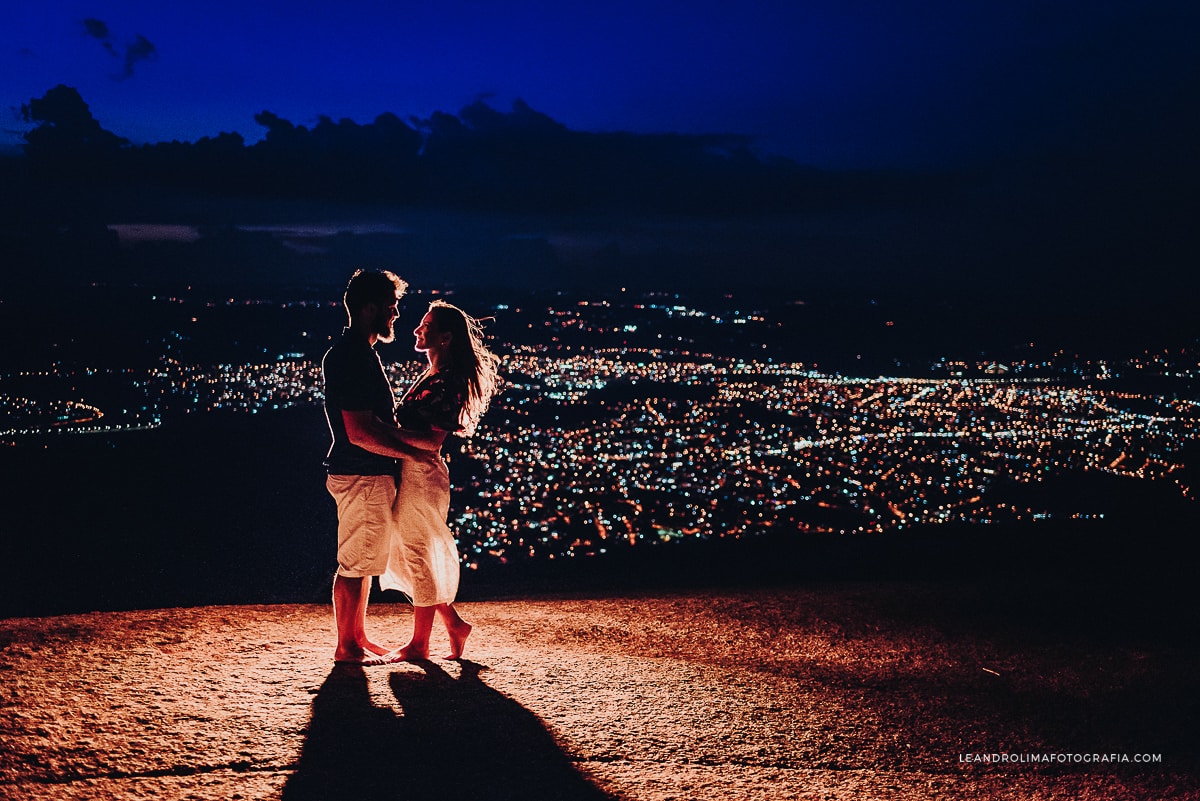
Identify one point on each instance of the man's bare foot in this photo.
(351, 656)
(411, 652)
(458, 638)
(367, 658)
(374, 648)
(361, 652)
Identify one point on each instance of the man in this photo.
(363, 463)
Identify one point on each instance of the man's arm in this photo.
(370, 433)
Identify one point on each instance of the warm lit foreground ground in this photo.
(822, 692)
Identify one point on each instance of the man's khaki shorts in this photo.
(367, 507)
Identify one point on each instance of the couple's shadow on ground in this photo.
(454, 739)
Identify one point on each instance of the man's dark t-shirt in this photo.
(355, 382)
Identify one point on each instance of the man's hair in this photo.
(372, 286)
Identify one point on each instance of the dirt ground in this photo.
(821, 692)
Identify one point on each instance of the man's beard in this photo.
(385, 330)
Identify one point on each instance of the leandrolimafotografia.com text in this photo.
(1056, 758)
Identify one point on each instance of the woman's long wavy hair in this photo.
(469, 359)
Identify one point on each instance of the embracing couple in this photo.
(386, 470)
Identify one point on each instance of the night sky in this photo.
(1020, 151)
(832, 84)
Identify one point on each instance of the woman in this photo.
(449, 397)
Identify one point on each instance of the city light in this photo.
(593, 449)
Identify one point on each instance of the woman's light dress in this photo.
(423, 563)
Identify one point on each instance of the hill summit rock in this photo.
(829, 691)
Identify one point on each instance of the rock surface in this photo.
(819, 692)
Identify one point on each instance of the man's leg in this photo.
(363, 544)
(349, 613)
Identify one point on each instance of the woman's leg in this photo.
(418, 646)
(457, 628)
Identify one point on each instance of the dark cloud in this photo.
(140, 49)
(480, 159)
(1067, 226)
(98, 30)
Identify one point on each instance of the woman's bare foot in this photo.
(458, 632)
